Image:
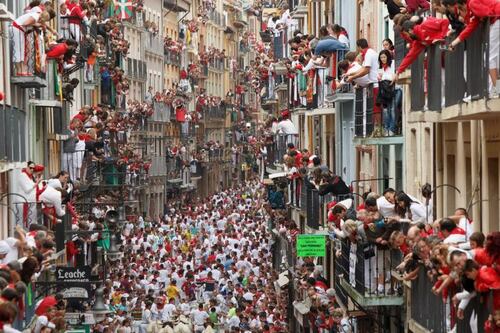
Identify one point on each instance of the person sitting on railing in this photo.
(52, 200)
(422, 33)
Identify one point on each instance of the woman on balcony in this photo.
(388, 95)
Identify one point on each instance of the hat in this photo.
(43, 321)
(38, 168)
(347, 204)
(4, 247)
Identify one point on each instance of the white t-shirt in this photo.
(343, 39)
(199, 317)
(371, 60)
(167, 312)
(287, 127)
(362, 81)
(13, 253)
(385, 208)
(386, 74)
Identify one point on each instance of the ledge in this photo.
(415, 327)
(366, 301)
(342, 97)
(383, 140)
(28, 81)
(475, 110)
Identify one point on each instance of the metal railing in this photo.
(217, 64)
(12, 134)
(153, 44)
(363, 112)
(367, 268)
(438, 314)
(27, 53)
(215, 112)
(174, 167)
(172, 58)
(465, 73)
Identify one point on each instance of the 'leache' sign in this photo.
(73, 274)
(74, 282)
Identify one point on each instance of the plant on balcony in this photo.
(173, 46)
(118, 43)
(151, 27)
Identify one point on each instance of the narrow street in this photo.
(249, 166)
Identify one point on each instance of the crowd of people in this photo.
(207, 265)
(392, 232)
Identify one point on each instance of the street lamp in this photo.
(113, 254)
(99, 310)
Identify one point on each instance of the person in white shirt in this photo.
(287, 127)
(146, 318)
(349, 66)
(385, 203)
(168, 310)
(199, 318)
(369, 65)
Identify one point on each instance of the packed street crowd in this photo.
(208, 265)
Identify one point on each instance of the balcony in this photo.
(216, 64)
(359, 266)
(462, 94)
(12, 134)
(215, 112)
(153, 45)
(158, 166)
(28, 70)
(216, 18)
(238, 21)
(176, 5)
(136, 69)
(172, 58)
(431, 313)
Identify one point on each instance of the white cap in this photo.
(347, 204)
(4, 247)
(43, 321)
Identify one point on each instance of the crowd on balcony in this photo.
(34, 40)
(386, 233)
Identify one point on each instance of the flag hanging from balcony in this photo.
(123, 9)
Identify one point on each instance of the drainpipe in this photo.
(4, 105)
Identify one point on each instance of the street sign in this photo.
(311, 246)
(74, 282)
(73, 274)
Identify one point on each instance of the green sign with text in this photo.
(311, 246)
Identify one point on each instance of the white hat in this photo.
(347, 204)
(43, 321)
(4, 247)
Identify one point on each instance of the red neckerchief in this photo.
(27, 174)
(384, 67)
(363, 53)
